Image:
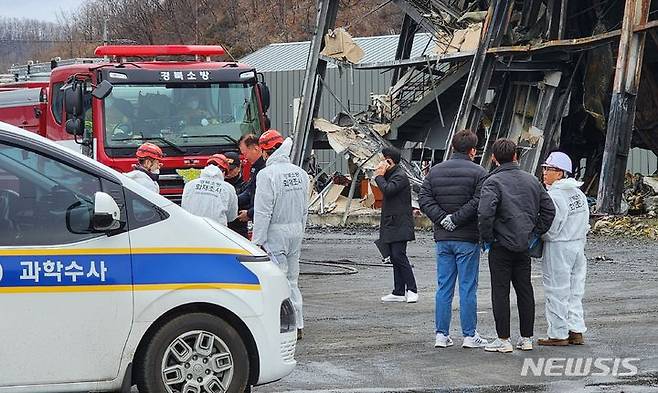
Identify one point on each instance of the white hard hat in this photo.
(558, 160)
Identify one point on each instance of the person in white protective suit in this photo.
(564, 262)
(210, 196)
(280, 212)
(147, 171)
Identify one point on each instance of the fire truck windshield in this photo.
(210, 114)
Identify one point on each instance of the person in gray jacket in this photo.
(514, 211)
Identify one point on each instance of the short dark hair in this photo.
(392, 153)
(464, 140)
(504, 150)
(249, 140)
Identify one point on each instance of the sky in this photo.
(46, 10)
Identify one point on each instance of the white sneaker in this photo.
(391, 298)
(412, 297)
(499, 345)
(474, 342)
(524, 344)
(442, 341)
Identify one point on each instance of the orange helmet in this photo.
(219, 160)
(149, 150)
(269, 139)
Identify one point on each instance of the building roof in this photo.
(291, 56)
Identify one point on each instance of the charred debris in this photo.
(579, 76)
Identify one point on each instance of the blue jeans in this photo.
(457, 259)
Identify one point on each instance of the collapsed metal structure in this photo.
(548, 74)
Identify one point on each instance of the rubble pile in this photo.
(625, 226)
(640, 195)
(651, 201)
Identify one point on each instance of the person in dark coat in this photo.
(397, 224)
(449, 196)
(249, 149)
(234, 178)
(514, 211)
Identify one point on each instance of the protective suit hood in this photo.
(565, 184)
(211, 197)
(212, 171)
(282, 154)
(144, 180)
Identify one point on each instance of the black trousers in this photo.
(508, 266)
(403, 275)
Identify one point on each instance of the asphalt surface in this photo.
(354, 343)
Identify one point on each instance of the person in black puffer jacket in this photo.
(397, 224)
(449, 197)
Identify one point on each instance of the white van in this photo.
(105, 285)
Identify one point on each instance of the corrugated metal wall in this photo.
(642, 161)
(352, 88)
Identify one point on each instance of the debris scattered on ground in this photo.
(639, 193)
(625, 226)
(651, 181)
(603, 258)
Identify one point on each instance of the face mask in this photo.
(155, 171)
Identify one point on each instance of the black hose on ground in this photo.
(345, 270)
(339, 264)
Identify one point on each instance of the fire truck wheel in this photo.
(193, 353)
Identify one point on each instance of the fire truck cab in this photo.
(190, 108)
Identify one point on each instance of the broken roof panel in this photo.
(293, 56)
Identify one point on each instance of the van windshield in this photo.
(180, 115)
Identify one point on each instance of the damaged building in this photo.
(578, 76)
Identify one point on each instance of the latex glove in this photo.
(533, 241)
(486, 247)
(447, 223)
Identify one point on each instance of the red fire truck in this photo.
(191, 108)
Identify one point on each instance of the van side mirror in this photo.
(106, 213)
(264, 95)
(102, 90)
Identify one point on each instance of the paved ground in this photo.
(353, 343)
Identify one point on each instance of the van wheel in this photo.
(193, 353)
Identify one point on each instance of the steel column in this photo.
(622, 107)
(312, 90)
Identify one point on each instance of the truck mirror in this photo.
(75, 126)
(102, 90)
(73, 99)
(264, 95)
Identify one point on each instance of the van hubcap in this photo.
(197, 362)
